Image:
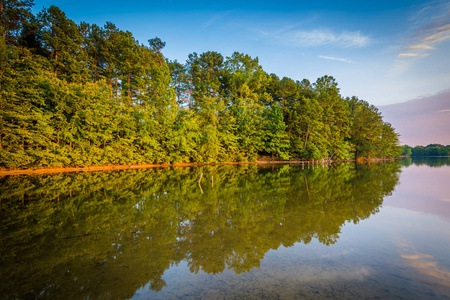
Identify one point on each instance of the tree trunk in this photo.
(56, 59)
(2, 8)
(117, 88)
(129, 87)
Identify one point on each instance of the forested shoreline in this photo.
(84, 95)
(427, 151)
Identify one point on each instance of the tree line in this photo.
(83, 94)
(429, 150)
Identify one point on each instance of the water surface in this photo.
(379, 230)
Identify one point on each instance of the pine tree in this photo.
(13, 15)
(62, 39)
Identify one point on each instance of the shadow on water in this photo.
(107, 234)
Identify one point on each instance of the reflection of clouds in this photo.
(425, 264)
(411, 193)
(344, 252)
(430, 268)
(356, 274)
(416, 256)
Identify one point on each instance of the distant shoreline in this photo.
(53, 170)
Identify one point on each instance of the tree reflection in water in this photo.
(106, 234)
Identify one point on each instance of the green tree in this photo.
(245, 81)
(335, 118)
(14, 14)
(206, 72)
(388, 145)
(180, 82)
(84, 95)
(26, 131)
(275, 136)
(62, 39)
(406, 150)
(366, 127)
(369, 135)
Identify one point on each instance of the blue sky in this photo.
(381, 51)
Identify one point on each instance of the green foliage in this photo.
(62, 40)
(406, 150)
(276, 138)
(369, 135)
(80, 95)
(14, 15)
(429, 150)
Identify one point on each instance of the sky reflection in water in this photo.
(346, 231)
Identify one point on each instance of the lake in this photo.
(285, 231)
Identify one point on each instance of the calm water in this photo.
(379, 230)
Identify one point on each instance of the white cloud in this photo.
(215, 18)
(412, 55)
(419, 47)
(431, 27)
(292, 36)
(427, 40)
(337, 59)
(322, 37)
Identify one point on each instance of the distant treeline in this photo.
(80, 94)
(429, 150)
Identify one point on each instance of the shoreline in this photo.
(53, 170)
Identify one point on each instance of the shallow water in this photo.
(379, 230)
